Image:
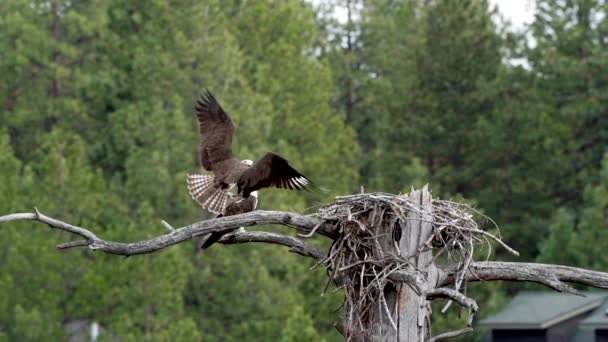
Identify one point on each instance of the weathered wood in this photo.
(295, 245)
(224, 224)
(404, 316)
(383, 318)
(553, 276)
(414, 311)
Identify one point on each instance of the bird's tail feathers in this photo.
(213, 238)
(210, 196)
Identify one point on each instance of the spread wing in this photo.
(271, 170)
(216, 130)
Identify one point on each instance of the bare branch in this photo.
(312, 232)
(553, 276)
(53, 223)
(415, 279)
(295, 245)
(79, 243)
(451, 334)
(444, 292)
(224, 224)
(167, 225)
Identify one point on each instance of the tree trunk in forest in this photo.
(55, 87)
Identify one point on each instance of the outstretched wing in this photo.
(216, 130)
(271, 170)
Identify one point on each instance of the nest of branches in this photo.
(370, 227)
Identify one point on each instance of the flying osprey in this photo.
(238, 206)
(211, 191)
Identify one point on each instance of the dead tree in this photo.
(385, 255)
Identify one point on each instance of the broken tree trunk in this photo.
(406, 316)
(414, 314)
(383, 257)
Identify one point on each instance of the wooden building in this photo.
(538, 316)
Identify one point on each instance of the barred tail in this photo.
(207, 193)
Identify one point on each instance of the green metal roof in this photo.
(540, 310)
(583, 335)
(597, 319)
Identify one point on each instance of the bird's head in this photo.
(247, 162)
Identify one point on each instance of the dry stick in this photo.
(463, 300)
(361, 281)
(361, 225)
(312, 232)
(504, 245)
(332, 253)
(224, 224)
(465, 267)
(373, 219)
(359, 263)
(295, 245)
(388, 312)
(168, 226)
(326, 259)
(335, 268)
(549, 275)
(451, 334)
(468, 257)
(79, 243)
(380, 315)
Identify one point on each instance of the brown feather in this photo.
(238, 206)
(216, 129)
(243, 205)
(271, 170)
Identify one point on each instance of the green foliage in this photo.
(507, 177)
(299, 328)
(97, 128)
(571, 235)
(571, 55)
(279, 64)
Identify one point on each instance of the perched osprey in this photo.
(211, 191)
(238, 206)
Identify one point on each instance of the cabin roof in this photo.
(598, 318)
(541, 310)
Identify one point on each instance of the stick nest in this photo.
(366, 252)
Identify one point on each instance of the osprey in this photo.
(211, 191)
(238, 206)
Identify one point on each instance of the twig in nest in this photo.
(369, 223)
(312, 232)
